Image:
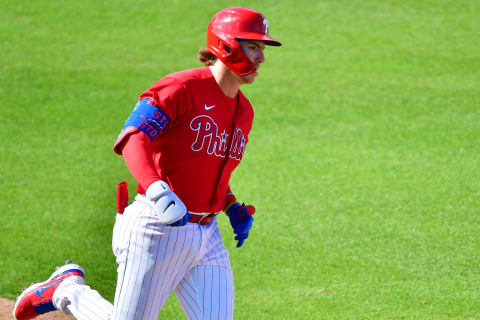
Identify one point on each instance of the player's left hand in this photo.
(168, 207)
(241, 220)
(181, 222)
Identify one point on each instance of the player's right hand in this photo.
(169, 209)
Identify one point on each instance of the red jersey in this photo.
(204, 140)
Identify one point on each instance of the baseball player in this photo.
(182, 141)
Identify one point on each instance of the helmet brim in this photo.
(258, 37)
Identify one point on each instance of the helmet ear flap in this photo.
(219, 47)
(237, 61)
(224, 47)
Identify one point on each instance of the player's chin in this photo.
(250, 78)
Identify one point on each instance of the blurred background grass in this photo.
(362, 161)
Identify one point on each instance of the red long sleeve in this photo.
(139, 158)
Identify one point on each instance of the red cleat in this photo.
(37, 299)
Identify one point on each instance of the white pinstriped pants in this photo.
(153, 260)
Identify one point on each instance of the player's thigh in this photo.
(152, 258)
(206, 292)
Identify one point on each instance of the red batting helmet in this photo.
(230, 25)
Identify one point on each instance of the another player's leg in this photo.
(207, 292)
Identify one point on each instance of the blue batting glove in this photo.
(181, 222)
(241, 220)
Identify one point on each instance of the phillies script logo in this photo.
(208, 139)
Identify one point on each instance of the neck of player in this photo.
(228, 81)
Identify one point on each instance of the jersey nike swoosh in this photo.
(209, 107)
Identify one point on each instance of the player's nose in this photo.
(260, 58)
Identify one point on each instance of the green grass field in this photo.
(363, 161)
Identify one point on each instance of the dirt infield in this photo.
(6, 307)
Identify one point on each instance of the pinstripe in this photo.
(121, 274)
(186, 263)
(99, 307)
(78, 294)
(217, 259)
(226, 296)
(226, 293)
(198, 291)
(185, 300)
(216, 237)
(190, 285)
(129, 270)
(211, 291)
(185, 303)
(155, 273)
(203, 289)
(144, 273)
(158, 292)
(187, 309)
(175, 270)
(227, 304)
(162, 264)
(176, 274)
(121, 300)
(153, 277)
(161, 292)
(188, 291)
